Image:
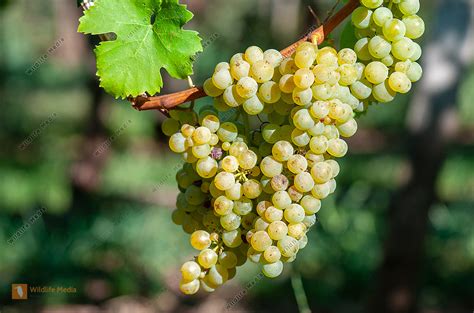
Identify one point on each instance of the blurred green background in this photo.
(105, 178)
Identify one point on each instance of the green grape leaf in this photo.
(149, 36)
(348, 38)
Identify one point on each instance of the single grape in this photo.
(272, 270)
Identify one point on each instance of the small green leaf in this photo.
(149, 37)
(348, 38)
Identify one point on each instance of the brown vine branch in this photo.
(167, 102)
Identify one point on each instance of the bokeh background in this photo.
(88, 182)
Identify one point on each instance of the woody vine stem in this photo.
(167, 102)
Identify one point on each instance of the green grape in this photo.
(170, 126)
(318, 144)
(224, 181)
(207, 258)
(282, 150)
(272, 270)
(247, 159)
(190, 271)
(287, 66)
(307, 46)
(260, 224)
(372, 4)
(177, 143)
(206, 167)
(287, 84)
(239, 69)
(228, 259)
(272, 254)
(300, 138)
(303, 78)
(362, 49)
(310, 204)
(231, 97)
(201, 151)
(414, 72)
(321, 191)
(200, 240)
(260, 241)
(269, 92)
(235, 192)
(253, 105)
(194, 195)
(381, 16)
(231, 239)
(270, 133)
(222, 79)
(379, 48)
(399, 82)
(288, 246)
(328, 56)
(261, 71)
(309, 220)
(227, 132)
(281, 200)
(246, 87)
(383, 93)
(304, 182)
(361, 17)
(253, 54)
(210, 89)
(403, 49)
(322, 171)
(348, 74)
(302, 96)
(323, 91)
(347, 129)
(337, 148)
(277, 230)
(319, 109)
(416, 52)
(376, 72)
(394, 29)
(189, 288)
(270, 166)
(303, 241)
(211, 122)
(273, 214)
(273, 57)
(218, 275)
(388, 60)
(361, 89)
(230, 164)
(230, 221)
(222, 66)
(303, 120)
(415, 26)
(254, 255)
(294, 213)
(252, 188)
(346, 56)
(305, 58)
(237, 148)
(223, 205)
(296, 230)
(297, 164)
(409, 7)
(317, 129)
(279, 182)
(243, 206)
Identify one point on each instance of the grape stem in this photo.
(299, 292)
(172, 100)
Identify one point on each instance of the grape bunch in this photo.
(386, 31)
(262, 157)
